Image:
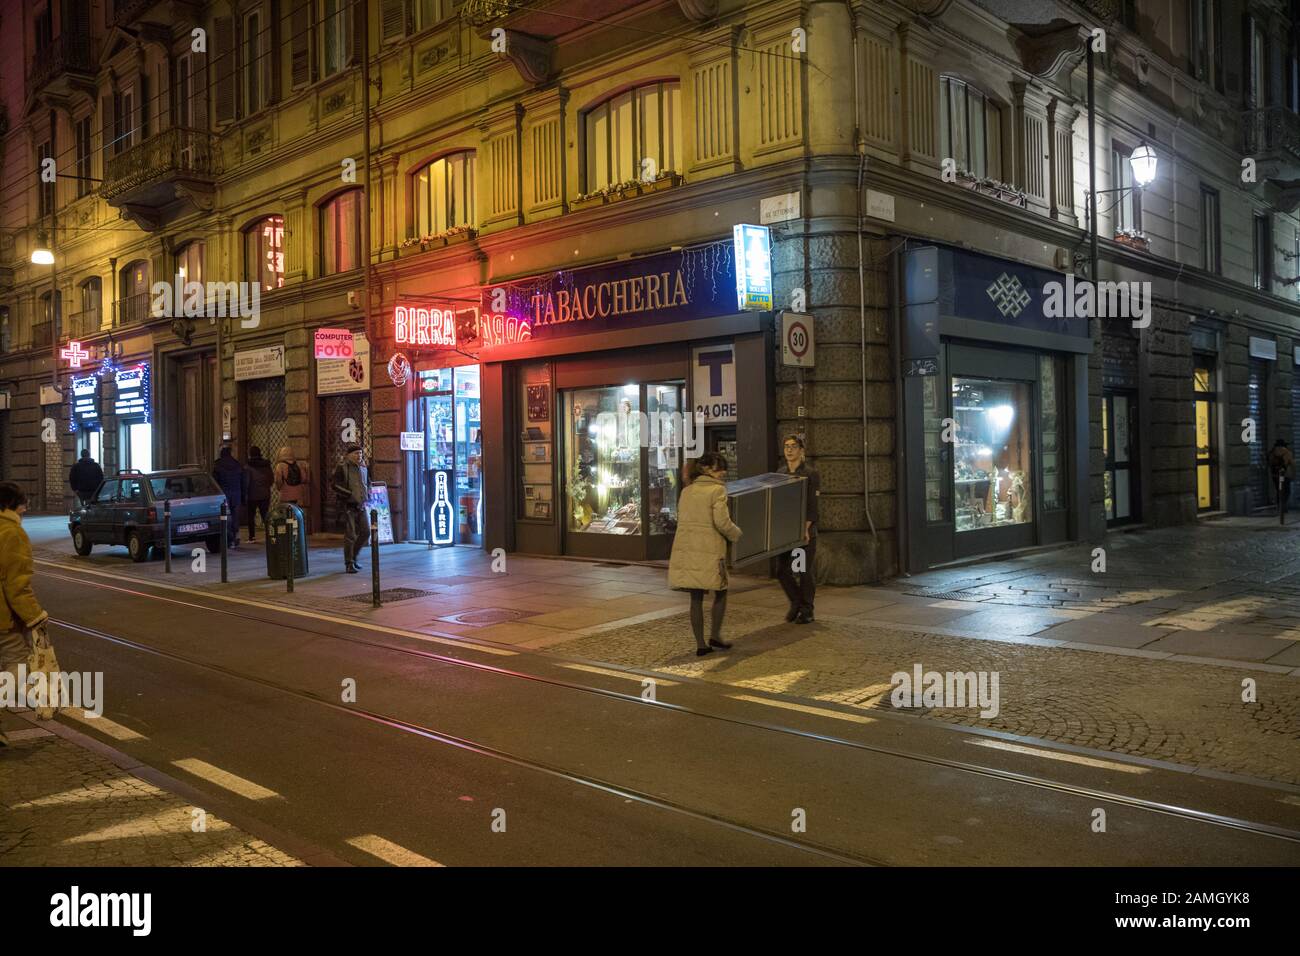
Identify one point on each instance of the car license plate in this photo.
(191, 528)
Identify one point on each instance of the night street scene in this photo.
(651, 433)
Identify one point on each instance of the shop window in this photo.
(444, 194)
(936, 483)
(970, 128)
(264, 253)
(992, 459)
(1204, 396)
(633, 136)
(603, 460)
(340, 232)
(537, 499)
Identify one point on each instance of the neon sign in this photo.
(440, 514)
(753, 247)
(495, 329)
(85, 403)
(421, 326)
(132, 391)
(74, 353)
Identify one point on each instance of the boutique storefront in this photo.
(995, 392)
(571, 433)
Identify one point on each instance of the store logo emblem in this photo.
(1008, 295)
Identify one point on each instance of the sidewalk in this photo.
(1146, 659)
(66, 805)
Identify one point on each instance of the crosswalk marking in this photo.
(389, 851)
(805, 708)
(609, 672)
(1060, 755)
(224, 779)
(109, 728)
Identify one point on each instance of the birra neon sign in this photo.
(421, 326)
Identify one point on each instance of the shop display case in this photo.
(992, 453)
(603, 448)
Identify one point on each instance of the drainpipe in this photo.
(365, 217)
(861, 146)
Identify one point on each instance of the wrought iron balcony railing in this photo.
(68, 53)
(480, 12)
(41, 335)
(173, 152)
(131, 309)
(86, 323)
(1272, 128)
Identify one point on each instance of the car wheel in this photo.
(136, 546)
(81, 542)
(213, 543)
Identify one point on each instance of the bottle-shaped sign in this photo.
(440, 514)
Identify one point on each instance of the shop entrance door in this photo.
(1119, 442)
(449, 410)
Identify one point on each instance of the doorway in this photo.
(448, 409)
(1119, 430)
(1207, 425)
(191, 429)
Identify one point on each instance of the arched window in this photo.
(340, 233)
(264, 253)
(189, 261)
(444, 194)
(87, 319)
(970, 128)
(133, 298)
(633, 135)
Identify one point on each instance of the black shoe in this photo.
(805, 616)
(701, 651)
(718, 642)
(351, 568)
(791, 614)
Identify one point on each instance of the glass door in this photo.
(664, 403)
(467, 416)
(1119, 442)
(452, 461)
(1207, 464)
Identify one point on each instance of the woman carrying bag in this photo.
(699, 558)
(22, 619)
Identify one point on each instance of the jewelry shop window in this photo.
(993, 457)
(603, 460)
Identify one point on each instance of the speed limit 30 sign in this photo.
(797, 345)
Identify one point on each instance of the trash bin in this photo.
(279, 534)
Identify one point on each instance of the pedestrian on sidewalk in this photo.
(351, 485)
(261, 478)
(292, 479)
(801, 590)
(85, 477)
(1281, 463)
(699, 559)
(21, 615)
(232, 478)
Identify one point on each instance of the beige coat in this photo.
(704, 526)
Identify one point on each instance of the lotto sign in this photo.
(715, 384)
(753, 249)
(334, 344)
(420, 326)
(797, 345)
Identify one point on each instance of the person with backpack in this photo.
(260, 479)
(291, 478)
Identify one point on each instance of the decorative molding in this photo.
(532, 57)
(699, 11)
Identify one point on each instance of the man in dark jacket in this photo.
(351, 486)
(232, 478)
(261, 478)
(85, 477)
(802, 591)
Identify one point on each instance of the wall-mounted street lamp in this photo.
(1144, 162)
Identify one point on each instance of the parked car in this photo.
(128, 509)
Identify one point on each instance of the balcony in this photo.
(66, 66)
(131, 310)
(82, 325)
(128, 13)
(1271, 137)
(166, 176)
(41, 335)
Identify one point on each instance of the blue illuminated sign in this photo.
(753, 250)
(441, 514)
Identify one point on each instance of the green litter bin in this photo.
(279, 536)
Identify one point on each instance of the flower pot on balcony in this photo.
(588, 202)
(664, 182)
(1141, 243)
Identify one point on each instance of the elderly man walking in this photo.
(351, 485)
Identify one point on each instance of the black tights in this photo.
(715, 615)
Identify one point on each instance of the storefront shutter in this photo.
(222, 67)
(300, 29)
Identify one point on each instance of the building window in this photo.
(45, 190)
(264, 252)
(335, 35)
(44, 25)
(184, 91)
(1128, 14)
(429, 12)
(970, 128)
(89, 320)
(1258, 90)
(256, 63)
(1205, 35)
(123, 121)
(134, 298)
(444, 194)
(634, 135)
(4, 329)
(1263, 248)
(1128, 204)
(340, 232)
(84, 186)
(189, 261)
(1210, 230)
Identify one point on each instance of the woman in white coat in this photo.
(699, 558)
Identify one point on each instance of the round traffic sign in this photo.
(797, 339)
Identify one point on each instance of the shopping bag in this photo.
(43, 661)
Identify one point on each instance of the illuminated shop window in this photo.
(993, 458)
(603, 460)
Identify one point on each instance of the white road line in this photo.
(1292, 799)
(1060, 755)
(224, 779)
(804, 708)
(109, 728)
(608, 672)
(282, 609)
(390, 852)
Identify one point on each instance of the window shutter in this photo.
(273, 63)
(300, 30)
(76, 18)
(222, 67)
(392, 19)
(358, 28)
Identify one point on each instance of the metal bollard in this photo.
(293, 552)
(1281, 503)
(167, 537)
(225, 522)
(374, 558)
